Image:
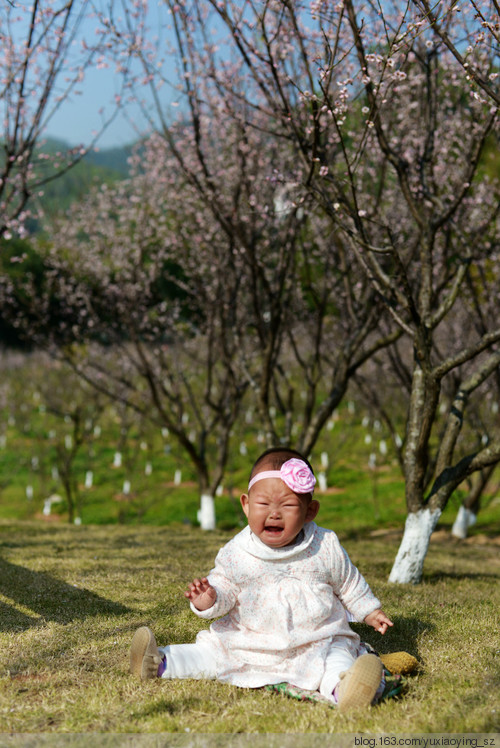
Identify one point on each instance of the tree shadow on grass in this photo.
(48, 597)
(12, 619)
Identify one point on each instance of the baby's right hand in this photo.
(201, 594)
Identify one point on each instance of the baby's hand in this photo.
(201, 594)
(379, 621)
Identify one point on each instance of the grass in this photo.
(71, 598)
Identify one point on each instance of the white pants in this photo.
(197, 661)
(189, 661)
(338, 660)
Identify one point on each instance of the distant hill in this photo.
(113, 159)
(104, 166)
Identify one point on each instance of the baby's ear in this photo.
(312, 510)
(244, 503)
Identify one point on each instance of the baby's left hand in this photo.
(379, 621)
(201, 594)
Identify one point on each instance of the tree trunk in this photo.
(467, 514)
(206, 513)
(409, 563)
(465, 518)
(69, 498)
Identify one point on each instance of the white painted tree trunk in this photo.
(465, 519)
(409, 562)
(206, 512)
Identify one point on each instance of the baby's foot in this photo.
(359, 684)
(145, 657)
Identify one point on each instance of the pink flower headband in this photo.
(294, 473)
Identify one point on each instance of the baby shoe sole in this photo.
(144, 654)
(361, 682)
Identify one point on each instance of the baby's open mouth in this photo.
(273, 529)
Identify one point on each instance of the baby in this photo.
(284, 587)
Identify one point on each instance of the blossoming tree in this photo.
(312, 316)
(330, 161)
(149, 298)
(391, 133)
(212, 280)
(45, 52)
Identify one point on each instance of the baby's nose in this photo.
(275, 513)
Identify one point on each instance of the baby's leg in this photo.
(147, 660)
(338, 661)
(352, 681)
(188, 661)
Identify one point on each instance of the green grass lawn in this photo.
(71, 598)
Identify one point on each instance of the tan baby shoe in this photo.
(145, 657)
(359, 684)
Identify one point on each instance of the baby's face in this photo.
(275, 513)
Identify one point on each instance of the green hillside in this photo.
(103, 166)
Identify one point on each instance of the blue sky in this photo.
(78, 117)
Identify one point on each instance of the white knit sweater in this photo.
(283, 608)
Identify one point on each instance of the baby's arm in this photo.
(379, 621)
(217, 593)
(201, 594)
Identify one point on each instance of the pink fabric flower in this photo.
(297, 476)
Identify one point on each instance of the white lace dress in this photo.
(283, 608)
